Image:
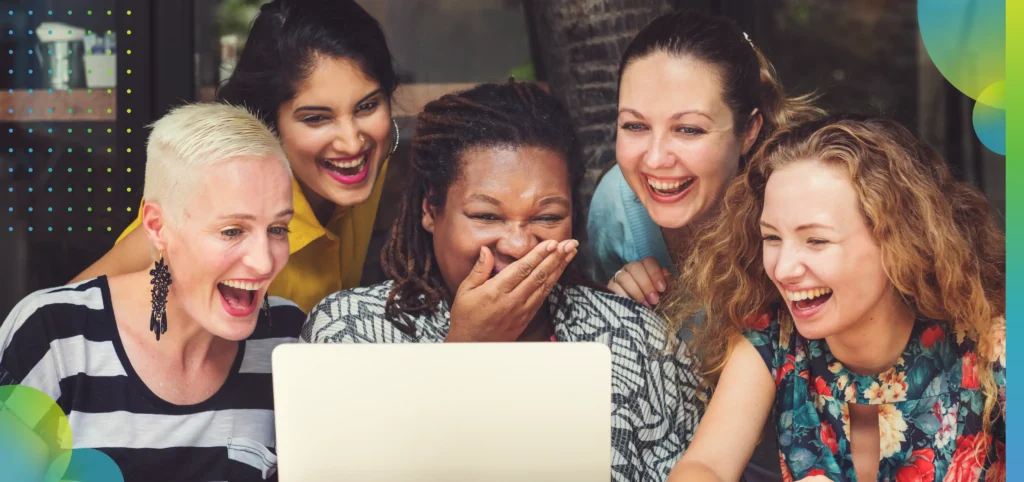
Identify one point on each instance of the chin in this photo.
(664, 217)
(235, 330)
(817, 329)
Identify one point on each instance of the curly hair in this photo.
(511, 115)
(939, 242)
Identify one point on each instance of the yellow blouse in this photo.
(324, 259)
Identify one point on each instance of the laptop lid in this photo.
(443, 412)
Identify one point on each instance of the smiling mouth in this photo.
(347, 168)
(808, 299)
(239, 295)
(670, 188)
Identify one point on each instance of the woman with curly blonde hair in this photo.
(872, 284)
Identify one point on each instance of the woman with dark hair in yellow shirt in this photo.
(320, 74)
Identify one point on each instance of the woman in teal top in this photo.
(682, 133)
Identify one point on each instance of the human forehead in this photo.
(811, 191)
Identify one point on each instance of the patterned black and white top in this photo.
(654, 405)
(64, 342)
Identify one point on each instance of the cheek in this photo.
(867, 275)
(302, 144)
(712, 162)
(770, 257)
(562, 232)
(629, 151)
(377, 125)
(280, 250)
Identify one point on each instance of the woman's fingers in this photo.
(629, 285)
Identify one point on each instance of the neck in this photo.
(322, 208)
(185, 342)
(876, 342)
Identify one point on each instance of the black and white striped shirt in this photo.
(64, 342)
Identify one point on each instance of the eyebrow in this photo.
(556, 200)
(675, 116)
(250, 217)
(484, 198)
(320, 108)
(801, 227)
(543, 202)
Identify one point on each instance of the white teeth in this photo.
(664, 186)
(347, 165)
(807, 294)
(242, 285)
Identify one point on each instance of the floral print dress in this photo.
(930, 406)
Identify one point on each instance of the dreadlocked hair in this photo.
(495, 115)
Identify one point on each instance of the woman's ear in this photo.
(428, 216)
(753, 129)
(155, 223)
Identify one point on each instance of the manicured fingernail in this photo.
(652, 298)
(572, 245)
(648, 305)
(662, 287)
(551, 245)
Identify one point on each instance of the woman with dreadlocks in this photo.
(483, 250)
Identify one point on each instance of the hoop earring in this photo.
(398, 135)
(161, 281)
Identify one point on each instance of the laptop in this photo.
(503, 412)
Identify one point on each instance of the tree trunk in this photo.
(580, 43)
(577, 48)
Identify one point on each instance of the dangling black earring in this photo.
(266, 311)
(161, 281)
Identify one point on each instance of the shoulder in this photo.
(51, 305)
(45, 335)
(771, 335)
(606, 203)
(339, 314)
(364, 300)
(285, 321)
(598, 311)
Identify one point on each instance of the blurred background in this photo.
(81, 79)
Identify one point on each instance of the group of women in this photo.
(750, 261)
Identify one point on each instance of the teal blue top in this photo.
(620, 231)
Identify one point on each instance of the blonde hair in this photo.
(940, 245)
(194, 136)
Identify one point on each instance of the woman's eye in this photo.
(366, 106)
(770, 237)
(817, 241)
(231, 232)
(314, 119)
(549, 219)
(691, 131)
(279, 231)
(484, 217)
(633, 126)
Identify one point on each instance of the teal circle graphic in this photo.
(36, 442)
(35, 435)
(91, 465)
(966, 40)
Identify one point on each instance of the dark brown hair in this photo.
(508, 115)
(748, 79)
